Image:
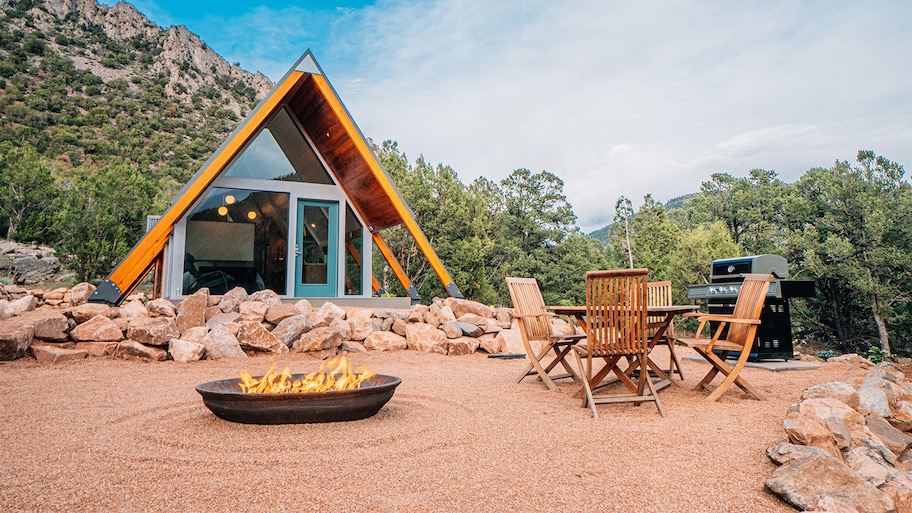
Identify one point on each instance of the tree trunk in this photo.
(881, 328)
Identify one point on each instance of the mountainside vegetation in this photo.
(105, 116)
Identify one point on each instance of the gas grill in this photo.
(774, 335)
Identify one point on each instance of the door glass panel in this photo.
(315, 245)
(354, 242)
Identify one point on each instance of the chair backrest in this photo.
(658, 293)
(748, 306)
(529, 307)
(616, 312)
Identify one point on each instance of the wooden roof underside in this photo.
(341, 153)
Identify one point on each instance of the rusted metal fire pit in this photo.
(227, 401)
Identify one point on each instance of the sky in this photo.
(615, 97)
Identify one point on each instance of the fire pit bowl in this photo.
(227, 401)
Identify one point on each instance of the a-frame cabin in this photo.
(292, 201)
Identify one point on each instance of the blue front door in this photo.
(317, 249)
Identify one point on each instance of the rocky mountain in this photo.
(82, 82)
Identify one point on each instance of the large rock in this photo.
(269, 297)
(278, 313)
(97, 329)
(6, 310)
(361, 327)
(426, 338)
(98, 348)
(342, 326)
(328, 311)
(132, 309)
(80, 293)
(317, 339)
(232, 300)
(292, 328)
(873, 398)
(252, 335)
(839, 418)
(183, 351)
(835, 390)
(253, 311)
(462, 346)
(50, 325)
(131, 349)
(191, 312)
(221, 343)
(162, 307)
(155, 331)
(492, 344)
(786, 452)
(24, 304)
(385, 341)
(47, 353)
(461, 307)
(892, 438)
(804, 481)
(810, 431)
(86, 311)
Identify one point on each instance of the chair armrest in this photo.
(527, 316)
(692, 314)
(726, 318)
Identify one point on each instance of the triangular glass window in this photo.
(280, 152)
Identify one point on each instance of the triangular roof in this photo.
(306, 92)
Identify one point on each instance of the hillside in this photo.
(84, 83)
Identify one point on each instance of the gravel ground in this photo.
(458, 435)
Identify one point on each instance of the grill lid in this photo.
(731, 269)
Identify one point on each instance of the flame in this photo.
(333, 375)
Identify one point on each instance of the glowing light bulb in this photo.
(223, 210)
(229, 199)
(251, 215)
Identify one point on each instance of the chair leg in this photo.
(535, 363)
(673, 362)
(652, 389)
(587, 398)
(732, 375)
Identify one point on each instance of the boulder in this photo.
(253, 311)
(278, 313)
(132, 309)
(426, 338)
(98, 348)
(221, 343)
(342, 326)
(86, 311)
(222, 318)
(161, 307)
(810, 431)
(291, 329)
(232, 300)
(461, 307)
(804, 481)
(361, 327)
(155, 331)
(873, 398)
(6, 310)
(352, 347)
(317, 339)
(492, 344)
(836, 390)
(97, 329)
(451, 329)
(80, 293)
(195, 335)
(892, 438)
(49, 324)
(24, 304)
(786, 452)
(462, 346)
(47, 353)
(266, 296)
(191, 312)
(131, 349)
(328, 311)
(385, 341)
(304, 306)
(839, 418)
(183, 351)
(252, 335)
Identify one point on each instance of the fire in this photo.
(333, 375)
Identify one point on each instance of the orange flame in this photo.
(340, 377)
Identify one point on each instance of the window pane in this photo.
(353, 244)
(237, 237)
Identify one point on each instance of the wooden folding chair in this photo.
(535, 326)
(742, 331)
(616, 332)
(658, 293)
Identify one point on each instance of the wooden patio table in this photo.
(669, 311)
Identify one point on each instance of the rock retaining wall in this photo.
(59, 324)
(848, 448)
